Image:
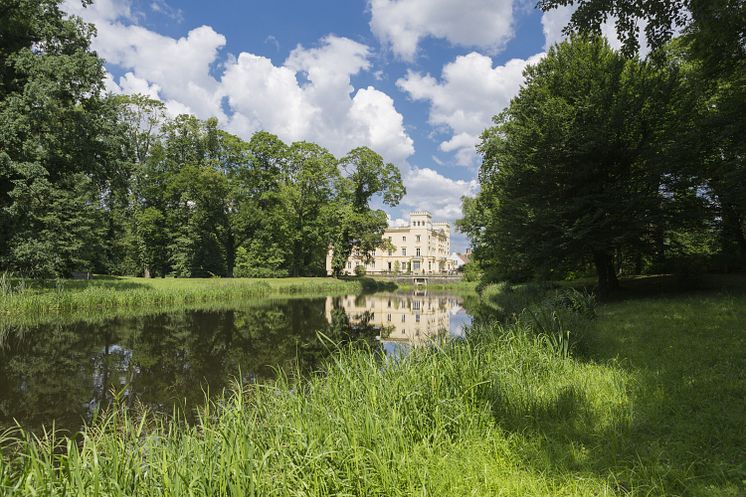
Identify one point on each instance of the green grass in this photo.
(27, 300)
(651, 402)
(455, 421)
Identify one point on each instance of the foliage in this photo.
(715, 28)
(603, 161)
(471, 271)
(360, 270)
(52, 156)
(563, 178)
(360, 228)
(112, 184)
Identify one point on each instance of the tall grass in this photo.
(455, 420)
(21, 298)
(559, 316)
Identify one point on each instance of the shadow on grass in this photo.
(681, 430)
(101, 282)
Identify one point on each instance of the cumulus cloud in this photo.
(555, 20)
(100, 10)
(401, 24)
(428, 189)
(309, 97)
(326, 108)
(469, 92)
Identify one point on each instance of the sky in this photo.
(415, 80)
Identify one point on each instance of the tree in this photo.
(50, 82)
(360, 228)
(564, 177)
(307, 196)
(717, 28)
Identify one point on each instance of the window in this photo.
(416, 265)
(390, 239)
(404, 238)
(418, 251)
(389, 304)
(388, 317)
(417, 317)
(391, 252)
(349, 265)
(403, 319)
(418, 238)
(404, 251)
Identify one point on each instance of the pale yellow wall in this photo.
(411, 319)
(434, 243)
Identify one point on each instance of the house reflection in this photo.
(413, 319)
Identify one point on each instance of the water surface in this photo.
(63, 373)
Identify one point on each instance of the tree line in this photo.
(112, 184)
(611, 163)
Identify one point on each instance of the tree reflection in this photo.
(62, 373)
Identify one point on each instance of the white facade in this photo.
(456, 260)
(421, 248)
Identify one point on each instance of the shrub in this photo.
(360, 270)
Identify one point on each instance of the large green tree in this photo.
(564, 177)
(360, 227)
(50, 148)
(714, 55)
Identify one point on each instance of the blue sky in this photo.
(416, 80)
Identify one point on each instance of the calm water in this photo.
(63, 372)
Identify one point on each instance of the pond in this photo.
(62, 373)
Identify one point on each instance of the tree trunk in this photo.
(607, 280)
(734, 241)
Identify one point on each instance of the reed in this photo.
(453, 420)
(21, 298)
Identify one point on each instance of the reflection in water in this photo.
(64, 372)
(405, 320)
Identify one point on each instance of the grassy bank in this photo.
(458, 421)
(651, 401)
(21, 299)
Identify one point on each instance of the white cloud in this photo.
(265, 96)
(180, 67)
(427, 189)
(309, 97)
(469, 92)
(326, 108)
(401, 24)
(398, 222)
(100, 10)
(555, 20)
(131, 84)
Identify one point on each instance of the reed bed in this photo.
(462, 419)
(21, 298)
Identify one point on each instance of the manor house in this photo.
(422, 247)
